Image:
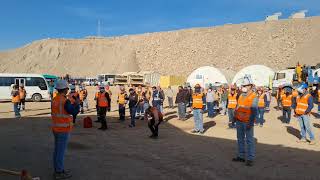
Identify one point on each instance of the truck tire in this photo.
(36, 97)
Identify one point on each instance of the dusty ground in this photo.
(124, 153)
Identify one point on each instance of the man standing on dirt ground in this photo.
(140, 108)
(103, 100)
(245, 114)
(22, 93)
(302, 109)
(287, 100)
(156, 98)
(170, 97)
(262, 101)
(16, 100)
(180, 100)
(133, 102)
(268, 95)
(122, 101)
(154, 122)
(74, 98)
(97, 107)
(232, 104)
(318, 100)
(61, 114)
(224, 99)
(51, 88)
(197, 105)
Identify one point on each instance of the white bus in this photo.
(35, 86)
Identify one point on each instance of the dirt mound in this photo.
(277, 44)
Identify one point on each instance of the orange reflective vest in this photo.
(295, 93)
(319, 96)
(102, 100)
(22, 93)
(261, 103)
(287, 101)
(55, 93)
(243, 110)
(83, 94)
(197, 102)
(121, 98)
(232, 101)
(16, 99)
(71, 95)
(302, 104)
(61, 120)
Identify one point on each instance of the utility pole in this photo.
(99, 28)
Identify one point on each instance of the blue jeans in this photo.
(304, 122)
(231, 117)
(260, 116)
(133, 115)
(157, 104)
(181, 110)
(286, 113)
(224, 107)
(268, 105)
(198, 120)
(244, 134)
(210, 109)
(318, 107)
(145, 106)
(60, 146)
(16, 109)
(140, 110)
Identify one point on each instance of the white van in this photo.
(35, 86)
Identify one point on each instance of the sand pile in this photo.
(276, 44)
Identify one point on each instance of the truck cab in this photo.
(283, 77)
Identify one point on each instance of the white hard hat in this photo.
(62, 84)
(72, 87)
(247, 80)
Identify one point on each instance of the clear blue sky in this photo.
(23, 21)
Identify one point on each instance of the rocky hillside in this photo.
(277, 44)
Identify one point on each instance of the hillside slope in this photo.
(276, 44)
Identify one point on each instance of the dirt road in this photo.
(125, 153)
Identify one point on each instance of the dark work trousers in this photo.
(97, 108)
(22, 104)
(286, 113)
(133, 115)
(122, 112)
(81, 107)
(74, 116)
(154, 127)
(102, 113)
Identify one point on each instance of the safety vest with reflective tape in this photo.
(295, 93)
(302, 104)
(22, 93)
(197, 102)
(287, 101)
(319, 96)
(261, 103)
(232, 101)
(16, 99)
(71, 95)
(243, 110)
(61, 119)
(102, 100)
(83, 94)
(121, 98)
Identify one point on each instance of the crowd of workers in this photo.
(244, 105)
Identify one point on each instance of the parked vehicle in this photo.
(35, 85)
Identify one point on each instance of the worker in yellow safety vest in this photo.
(302, 108)
(122, 101)
(232, 104)
(245, 114)
(16, 100)
(61, 115)
(197, 108)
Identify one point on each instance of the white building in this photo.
(274, 17)
(206, 75)
(298, 15)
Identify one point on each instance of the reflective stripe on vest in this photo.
(102, 100)
(302, 104)
(121, 99)
(261, 103)
(318, 95)
(61, 120)
(232, 101)
(287, 101)
(197, 101)
(243, 110)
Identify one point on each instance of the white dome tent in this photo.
(206, 75)
(260, 75)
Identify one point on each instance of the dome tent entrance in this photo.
(260, 75)
(205, 76)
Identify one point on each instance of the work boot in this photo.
(194, 131)
(312, 142)
(301, 141)
(238, 159)
(62, 175)
(249, 163)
